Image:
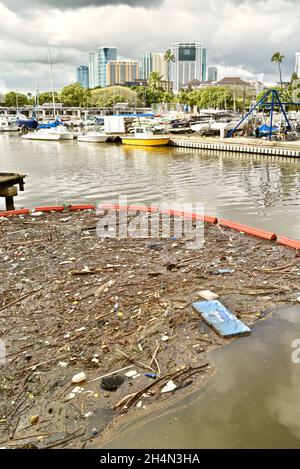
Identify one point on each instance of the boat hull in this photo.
(92, 139)
(146, 142)
(47, 137)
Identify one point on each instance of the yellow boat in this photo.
(143, 137)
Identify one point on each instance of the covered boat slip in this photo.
(8, 181)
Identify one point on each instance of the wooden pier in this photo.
(8, 189)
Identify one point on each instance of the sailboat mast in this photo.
(17, 102)
(51, 80)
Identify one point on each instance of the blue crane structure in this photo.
(275, 102)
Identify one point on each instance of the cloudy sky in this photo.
(240, 35)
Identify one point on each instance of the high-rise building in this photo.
(212, 74)
(297, 67)
(98, 65)
(159, 65)
(190, 63)
(154, 62)
(119, 72)
(93, 70)
(82, 76)
(146, 65)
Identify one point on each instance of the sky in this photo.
(240, 35)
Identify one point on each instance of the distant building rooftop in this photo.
(232, 81)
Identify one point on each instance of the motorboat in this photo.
(93, 137)
(8, 125)
(144, 137)
(56, 128)
(41, 135)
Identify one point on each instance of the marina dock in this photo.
(239, 145)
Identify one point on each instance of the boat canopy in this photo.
(29, 123)
(265, 130)
(51, 125)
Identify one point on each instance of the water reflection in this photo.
(252, 189)
(251, 402)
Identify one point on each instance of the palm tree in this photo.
(169, 58)
(278, 58)
(155, 80)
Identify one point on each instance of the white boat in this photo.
(64, 133)
(201, 126)
(93, 137)
(41, 135)
(8, 125)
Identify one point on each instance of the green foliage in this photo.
(74, 95)
(278, 58)
(294, 77)
(169, 56)
(154, 81)
(107, 97)
(11, 99)
(46, 97)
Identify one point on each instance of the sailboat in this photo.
(52, 131)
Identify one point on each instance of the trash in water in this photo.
(169, 387)
(79, 378)
(208, 295)
(223, 271)
(112, 383)
(34, 419)
(165, 338)
(130, 374)
(220, 319)
(150, 375)
(70, 396)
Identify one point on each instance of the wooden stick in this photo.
(136, 361)
(112, 373)
(20, 299)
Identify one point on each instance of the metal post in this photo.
(283, 110)
(249, 113)
(271, 115)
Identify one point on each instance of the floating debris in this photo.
(220, 319)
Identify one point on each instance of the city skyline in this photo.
(240, 36)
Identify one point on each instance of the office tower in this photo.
(121, 71)
(159, 65)
(190, 63)
(146, 65)
(82, 76)
(98, 65)
(212, 74)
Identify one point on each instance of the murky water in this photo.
(251, 402)
(263, 192)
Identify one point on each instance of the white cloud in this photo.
(240, 36)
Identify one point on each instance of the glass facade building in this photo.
(146, 65)
(190, 63)
(212, 74)
(82, 76)
(98, 65)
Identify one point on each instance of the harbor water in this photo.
(253, 399)
(254, 190)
